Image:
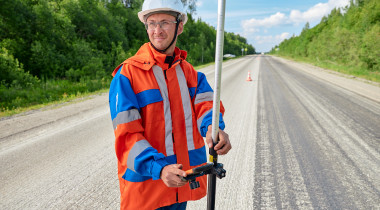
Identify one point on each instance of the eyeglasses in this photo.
(165, 25)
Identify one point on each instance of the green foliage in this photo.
(349, 38)
(72, 46)
(370, 49)
(12, 74)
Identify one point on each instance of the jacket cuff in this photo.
(157, 168)
(208, 121)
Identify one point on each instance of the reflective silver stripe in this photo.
(202, 97)
(160, 78)
(199, 121)
(186, 103)
(126, 117)
(137, 149)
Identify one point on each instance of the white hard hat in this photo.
(156, 6)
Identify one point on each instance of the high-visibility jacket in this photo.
(159, 116)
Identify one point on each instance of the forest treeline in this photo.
(347, 37)
(52, 49)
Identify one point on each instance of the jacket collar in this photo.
(146, 57)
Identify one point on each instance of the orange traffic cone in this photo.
(249, 77)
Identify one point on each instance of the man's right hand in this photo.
(171, 175)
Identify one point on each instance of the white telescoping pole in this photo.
(216, 101)
(218, 69)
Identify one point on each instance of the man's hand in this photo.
(223, 146)
(170, 175)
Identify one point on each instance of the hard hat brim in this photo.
(142, 14)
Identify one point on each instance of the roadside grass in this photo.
(212, 63)
(51, 93)
(359, 72)
(69, 99)
(203, 66)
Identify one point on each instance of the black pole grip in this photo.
(212, 181)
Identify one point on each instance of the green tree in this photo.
(370, 49)
(12, 73)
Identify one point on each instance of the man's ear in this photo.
(180, 28)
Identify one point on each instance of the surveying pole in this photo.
(216, 102)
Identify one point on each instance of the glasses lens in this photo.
(165, 25)
(152, 25)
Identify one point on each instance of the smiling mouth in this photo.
(159, 40)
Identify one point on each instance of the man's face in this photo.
(162, 37)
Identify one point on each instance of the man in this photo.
(160, 108)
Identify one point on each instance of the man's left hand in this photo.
(223, 146)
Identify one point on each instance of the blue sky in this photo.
(265, 23)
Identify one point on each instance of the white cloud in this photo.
(199, 4)
(266, 43)
(272, 39)
(313, 14)
(316, 12)
(274, 20)
(283, 36)
(258, 30)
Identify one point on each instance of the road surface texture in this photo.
(303, 138)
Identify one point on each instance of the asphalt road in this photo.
(302, 139)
